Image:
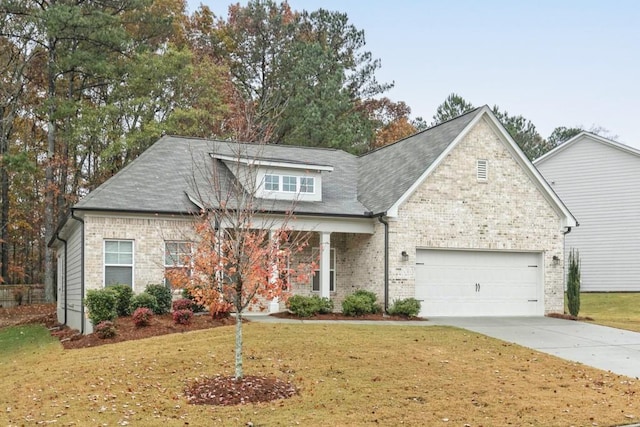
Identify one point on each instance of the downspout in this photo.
(386, 259)
(65, 275)
(82, 317)
(564, 245)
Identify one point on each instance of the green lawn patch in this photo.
(17, 340)
(615, 309)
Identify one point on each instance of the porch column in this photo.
(325, 264)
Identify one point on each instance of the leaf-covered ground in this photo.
(342, 374)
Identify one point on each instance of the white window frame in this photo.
(180, 262)
(315, 253)
(272, 182)
(288, 184)
(304, 188)
(106, 265)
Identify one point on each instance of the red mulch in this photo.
(566, 316)
(127, 330)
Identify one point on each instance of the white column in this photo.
(274, 304)
(325, 264)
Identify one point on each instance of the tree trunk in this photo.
(4, 184)
(239, 373)
(50, 193)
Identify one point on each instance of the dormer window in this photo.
(306, 184)
(272, 182)
(289, 184)
(278, 179)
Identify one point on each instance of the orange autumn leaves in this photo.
(237, 268)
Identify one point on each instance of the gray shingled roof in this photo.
(388, 172)
(169, 175)
(162, 178)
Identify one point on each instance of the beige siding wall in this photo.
(451, 209)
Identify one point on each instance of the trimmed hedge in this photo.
(101, 304)
(145, 300)
(361, 302)
(124, 293)
(309, 306)
(409, 307)
(163, 298)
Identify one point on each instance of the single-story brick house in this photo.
(599, 180)
(455, 216)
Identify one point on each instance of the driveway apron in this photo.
(610, 349)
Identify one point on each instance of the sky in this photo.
(555, 62)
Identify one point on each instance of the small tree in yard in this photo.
(241, 254)
(573, 283)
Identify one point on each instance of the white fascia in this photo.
(273, 163)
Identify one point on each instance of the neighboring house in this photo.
(455, 216)
(599, 180)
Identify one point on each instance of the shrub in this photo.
(309, 306)
(182, 304)
(142, 316)
(409, 307)
(124, 293)
(101, 304)
(360, 303)
(163, 297)
(573, 283)
(144, 300)
(220, 309)
(105, 329)
(182, 317)
(195, 307)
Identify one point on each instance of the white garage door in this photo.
(476, 283)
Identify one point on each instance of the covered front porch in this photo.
(348, 253)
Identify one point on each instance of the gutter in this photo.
(82, 317)
(386, 259)
(57, 236)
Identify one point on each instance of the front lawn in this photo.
(618, 310)
(346, 375)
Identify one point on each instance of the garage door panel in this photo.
(469, 283)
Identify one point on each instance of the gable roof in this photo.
(164, 178)
(581, 136)
(387, 173)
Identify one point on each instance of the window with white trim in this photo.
(315, 282)
(118, 262)
(272, 182)
(482, 170)
(177, 256)
(307, 184)
(289, 184)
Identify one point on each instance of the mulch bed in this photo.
(567, 316)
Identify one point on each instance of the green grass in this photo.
(27, 339)
(346, 375)
(618, 310)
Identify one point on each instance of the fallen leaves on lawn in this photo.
(226, 390)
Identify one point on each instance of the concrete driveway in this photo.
(602, 347)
